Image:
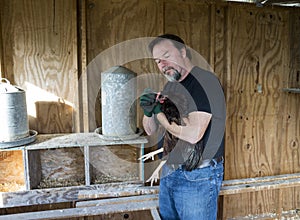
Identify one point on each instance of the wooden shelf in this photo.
(48, 141)
(32, 161)
(292, 90)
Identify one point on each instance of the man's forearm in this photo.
(193, 131)
(150, 125)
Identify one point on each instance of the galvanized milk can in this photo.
(118, 95)
(13, 111)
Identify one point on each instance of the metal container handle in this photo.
(6, 80)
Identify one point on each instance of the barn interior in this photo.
(56, 50)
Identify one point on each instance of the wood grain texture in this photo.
(190, 21)
(82, 66)
(257, 203)
(220, 40)
(254, 91)
(259, 131)
(61, 194)
(39, 49)
(256, 54)
(113, 28)
(293, 80)
(2, 72)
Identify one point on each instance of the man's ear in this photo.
(183, 52)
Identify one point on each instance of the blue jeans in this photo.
(191, 195)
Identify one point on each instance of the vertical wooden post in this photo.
(142, 166)
(227, 86)
(32, 168)
(82, 66)
(1, 46)
(87, 165)
(212, 36)
(26, 169)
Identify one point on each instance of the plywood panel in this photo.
(255, 91)
(257, 203)
(1, 48)
(39, 46)
(191, 21)
(290, 199)
(289, 134)
(294, 35)
(259, 133)
(113, 32)
(114, 26)
(112, 22)
(54, 117)
(220, 59)
(40, 55)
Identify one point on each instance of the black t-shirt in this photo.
(199, 91)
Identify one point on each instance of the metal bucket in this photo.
(118, 95)
(13, 111)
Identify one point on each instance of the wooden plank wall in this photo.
(112, 26)
(40, 55)
(254, 51)
(294, 35)
(1, 50)
(263, 121)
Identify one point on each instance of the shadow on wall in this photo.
(52, 117)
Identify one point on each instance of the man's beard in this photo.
(172, 78)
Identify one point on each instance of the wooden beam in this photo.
(82, 65)
(155, 214)
(109, 206)
(228, 187)
(48, 141)
(57, 195)
(117, 201)
(252, 187)
(117, 190)
(92, 208)
(261, 179)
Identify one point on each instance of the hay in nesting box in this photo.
(114, 163)
(11, 171)
(62, 167)
(102, 178)
(52, 183)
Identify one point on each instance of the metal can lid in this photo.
(6, 87)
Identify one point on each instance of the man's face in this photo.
(169, 60)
